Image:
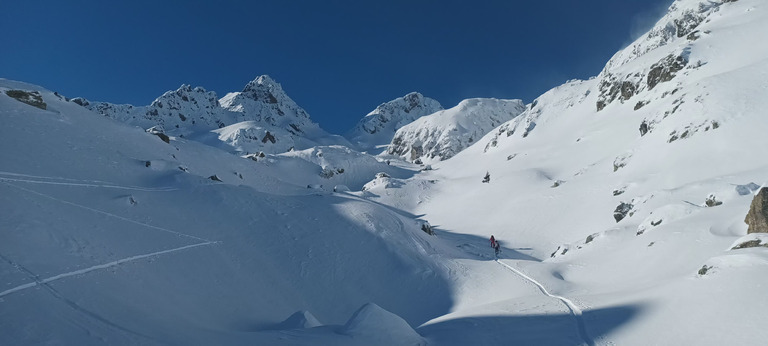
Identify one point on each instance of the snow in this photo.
(647, 281)
(378, 127)
(240, 120)
(299, 320)
(339, 165)
(380, 326)
(109, 235)
(441, 135)
(190, 260)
